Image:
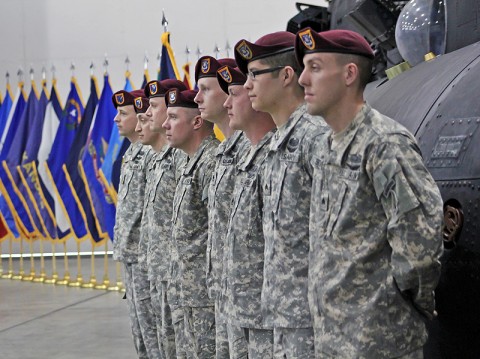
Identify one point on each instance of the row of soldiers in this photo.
(311, 231)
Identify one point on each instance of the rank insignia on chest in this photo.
(293, 144)
(187, 181)
(227, 161)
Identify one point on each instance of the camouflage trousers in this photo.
(178, 320)
(295, 343)
(137, 290)
(237, 343)
(163, 318)
(417, 354)
(221, 334)
(259, 343)
(200, 332)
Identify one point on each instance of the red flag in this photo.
(186, 76)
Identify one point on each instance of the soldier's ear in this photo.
(197, 122)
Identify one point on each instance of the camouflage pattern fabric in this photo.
(297, 343)
(237, 344)
(162, 177)
(163, 318)
(286, 198)
(220, 192)
(178, 320)
(130, 203)
(376, 241)
(190, 225)
(137, 290)
(222, 350)
(244, 244)
(259, 343)
(200, 332)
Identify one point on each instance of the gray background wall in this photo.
(37, 33)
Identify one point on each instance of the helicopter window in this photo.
(421, 29)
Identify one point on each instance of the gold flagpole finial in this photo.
(92, 68)
(7, 77)
(31, 72)
(44, 73)
(20, 74)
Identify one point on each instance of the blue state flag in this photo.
(168, 66)
(93, 157)
(80, 209)
(69, 121)
(8, 219)
(17, 207)
(32, 184)
(5, 109)
(53, 113)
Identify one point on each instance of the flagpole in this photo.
(228, 48)
(21, 272)
(54, 277)
(29, 278)
(93, 280)
(9, 274)
(66, 275)
(106, 282)
(77, 282)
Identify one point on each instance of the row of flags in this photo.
(60, 166)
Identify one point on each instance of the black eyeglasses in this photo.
(253, 74)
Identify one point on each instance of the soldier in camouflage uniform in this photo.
(127, 225)
(186, 130)
(210, 99)
(376, 213)
(242, 277)
(157, 211)
(273, 87)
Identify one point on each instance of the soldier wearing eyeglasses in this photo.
(272, 86)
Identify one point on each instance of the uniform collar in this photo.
(284, 132)
(198, 154)
(166, 150)
(136, 148)
(255, 150)
(349, 133)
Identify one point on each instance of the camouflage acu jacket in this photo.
(245, 243)
(190, 225)
(376, 241)
(130, 203)
(163, 173)
(286, 195)
(220, 191)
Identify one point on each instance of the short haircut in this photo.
(363, 63)
(283, 59)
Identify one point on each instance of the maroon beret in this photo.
(337, 41)
(268, 45)
(227, 76)
(159, 88)
(125, 98)
(141, 104)
(207, 66)
(177, 98)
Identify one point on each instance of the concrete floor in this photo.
(57, 321)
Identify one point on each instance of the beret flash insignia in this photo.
(225, 73)
(244, 50)
(153, 89)
(307, 39)
(120, 99)
(205, 66)
(138, 103)
(172, 97)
